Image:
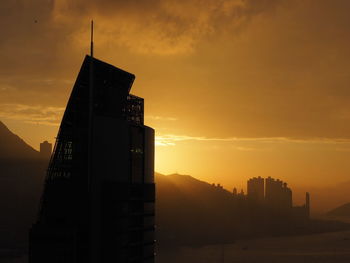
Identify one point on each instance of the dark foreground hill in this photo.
(343, 210)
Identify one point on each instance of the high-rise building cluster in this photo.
(273, 196)
(273, 192)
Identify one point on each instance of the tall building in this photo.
(277, 194)
(98, 199)
(255, 189)
(45, 149)
(307, 204)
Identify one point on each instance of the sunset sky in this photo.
(233, 88)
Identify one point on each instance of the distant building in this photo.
(240, 196)
(307, 204)
(45, 149)
(234, 191)
(302, 213)
(255, 189)
(275, 198)
(277, 194)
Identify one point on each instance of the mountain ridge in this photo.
(14, 147)
(343, 210)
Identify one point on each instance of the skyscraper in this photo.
(98, 199)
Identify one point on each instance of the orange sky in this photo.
(234, 88)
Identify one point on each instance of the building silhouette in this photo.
(272, 199)
(307, 204)
(99, 193)
(256, 189)
(271, 192)
(45, 149)
(277, 194)
(234, 191)
(302, 212)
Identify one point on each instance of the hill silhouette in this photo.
(22, 172)
(343, 210)
(13, 147)
(190, 211)
(193, 212)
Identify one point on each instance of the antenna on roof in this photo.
(92, 180)
(92, 39)
(91, 103)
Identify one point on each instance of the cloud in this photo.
(248, 149)
(41, 38)
(50, 116)
(163, 27)
(160, 118)
(273, 68)
(172, 139)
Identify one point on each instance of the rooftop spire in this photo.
(92, 39)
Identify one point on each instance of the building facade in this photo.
(99, 194)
